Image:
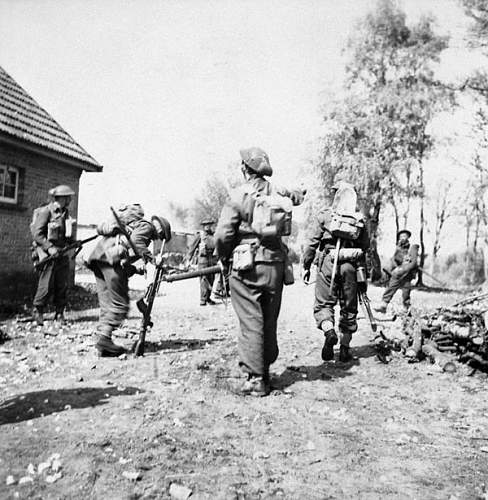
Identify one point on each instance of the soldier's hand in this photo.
(158, 260)
(140, 267)
(53, 251)
(306, 276)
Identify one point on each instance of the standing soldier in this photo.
(248, 238)
(402, 270)
(203, 248)
(344, 286)
(52, 230)
(113, 260)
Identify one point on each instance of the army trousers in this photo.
(113, 295)
(345, 290)
(396, 283)
(256, 298)
(53, 280)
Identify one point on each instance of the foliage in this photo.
(377, 132)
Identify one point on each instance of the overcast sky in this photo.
(162, 92)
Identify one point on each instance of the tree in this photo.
(377, 132)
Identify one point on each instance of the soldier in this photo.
(113, 260)
(345, 286)
(401, 271)
(51, 230)
(203, 248)
(258, 258)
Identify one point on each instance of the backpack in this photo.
(347, 227)
(270, 214)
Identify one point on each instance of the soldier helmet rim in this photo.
(404, 231)
(164, 233)
(257, 160)
(61, 190)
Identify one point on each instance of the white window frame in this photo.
(3, 170)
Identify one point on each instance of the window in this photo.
(9, 184)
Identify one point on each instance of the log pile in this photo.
(450, 333)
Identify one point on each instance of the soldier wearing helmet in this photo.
(114, 259)
(51, 230)
(340, 283)
(258, 260)
(401, 271)
(202, 253)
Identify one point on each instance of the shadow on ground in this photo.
(324, 371)
(179, 344)
(41, 403)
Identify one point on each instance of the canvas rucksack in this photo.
(269, 214)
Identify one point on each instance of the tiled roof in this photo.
(22, 118)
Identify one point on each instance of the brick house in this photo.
(35, 155)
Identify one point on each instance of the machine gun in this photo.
(145, 305)
(76, 245)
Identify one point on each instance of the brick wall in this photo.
(37, 175)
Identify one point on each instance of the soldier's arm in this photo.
(142, 235)
(226, 234)
(108, 227)
(296, 195)
(39, 229)
(313, 242)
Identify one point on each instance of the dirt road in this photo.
(132, 428)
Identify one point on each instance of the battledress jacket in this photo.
(322, 239)
(234, 227)
(141, 234)
(39, 230)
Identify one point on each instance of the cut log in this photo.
(439, 358)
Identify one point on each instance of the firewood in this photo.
(439, 358)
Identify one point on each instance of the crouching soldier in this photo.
(401, 271)
(52, 229)
(248, 238)
(339, 234)
(113, 260)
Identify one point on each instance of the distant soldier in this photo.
(248, 238)
(401, 271)
(52, 229)
(203, 252)
(113, 260)
(327, 230)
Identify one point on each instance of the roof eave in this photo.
(49, 153)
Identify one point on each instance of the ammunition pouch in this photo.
(288, 278)
(243, 257)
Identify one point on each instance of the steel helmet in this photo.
(61, 190)
(162, 227)
(257, 160)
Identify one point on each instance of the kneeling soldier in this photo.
(113, 260)
(333, 240)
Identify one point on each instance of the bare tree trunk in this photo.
(422, 225)
(372, 222)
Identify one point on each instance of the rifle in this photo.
(389, 274)
(381, 342)
(145, 304)
(72, 246)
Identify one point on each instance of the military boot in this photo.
(330, 340)
(38, 315)
(106, 347)
(256, 386)
(344, 352)
(59, 317)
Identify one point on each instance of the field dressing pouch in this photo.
(243, 257)
(271, 215)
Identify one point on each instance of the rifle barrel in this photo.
(192, 274)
